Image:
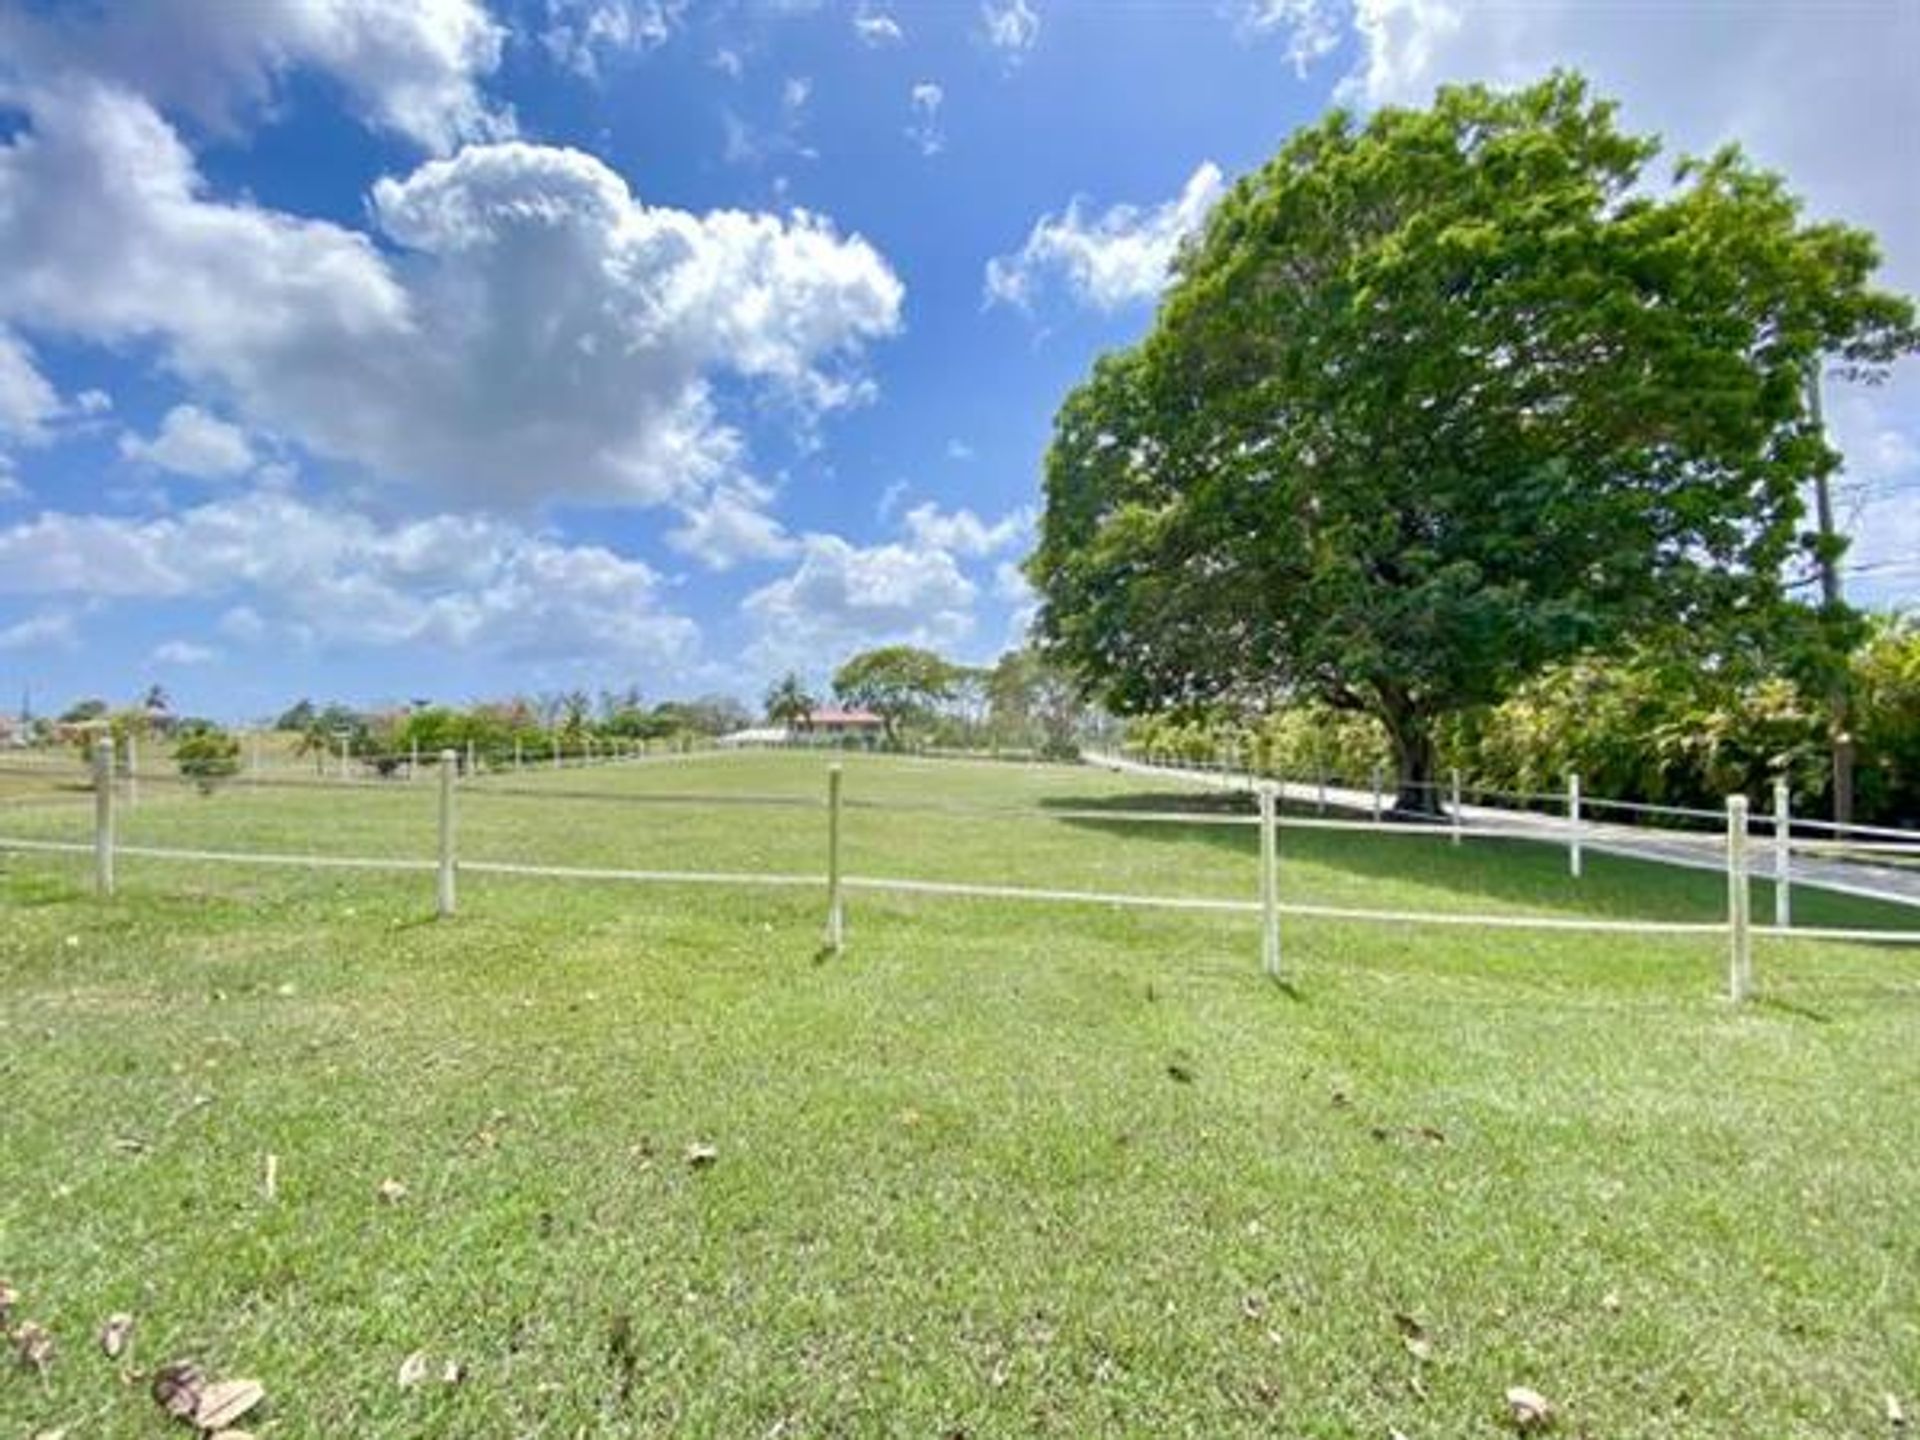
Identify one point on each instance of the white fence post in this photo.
(1377, 781)
(1573, 823)
(1739, 936)
(133, 770)
(1269, 882)
(1453, 785)
(1782, 853)
(103, 817)
(449, 763)
(836, 913)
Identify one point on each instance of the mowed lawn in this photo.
(1002, 1168)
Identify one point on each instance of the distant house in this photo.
(830, 725)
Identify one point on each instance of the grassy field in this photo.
(1003, 1168)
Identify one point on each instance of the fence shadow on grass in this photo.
(1520, 873)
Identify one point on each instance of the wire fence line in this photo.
(1736, 929)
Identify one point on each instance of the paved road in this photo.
(1696, 849)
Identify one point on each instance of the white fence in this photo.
(1736, 929)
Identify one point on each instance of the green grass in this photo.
(1003, 1168)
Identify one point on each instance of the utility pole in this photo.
(1839, 697)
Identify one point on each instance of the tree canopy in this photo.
(1445, 396)
(896, 682)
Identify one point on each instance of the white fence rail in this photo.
(1268, 903)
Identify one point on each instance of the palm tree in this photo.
(788, 702)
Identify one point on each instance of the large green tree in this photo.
(1441, 397)
(896, 682)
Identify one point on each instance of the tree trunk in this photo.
(1412, 735)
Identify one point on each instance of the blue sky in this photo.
(449, 350)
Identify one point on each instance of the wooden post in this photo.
(1376, 794)
(1782, 853)
(1573, 823)
(836, 911)
(1739, 936)
(103, 817)
(449, 763)
(1269, 882)
(1453, 787)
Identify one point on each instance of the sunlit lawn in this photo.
(1002, 1168)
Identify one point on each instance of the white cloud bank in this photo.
(542, 334)
(192, 442)
(335, 577)
(413, 69)
(1118, 257)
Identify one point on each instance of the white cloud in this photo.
(192, 442)
(728, 63)
(1121, 256)
(1312, 28)
(876, 27)
(1010, 26)
(843, 597)
(730, 526)
(582, 34)
(926, 98)
(242, 623)
(541, 334)
(28, 401)
(462, 581)
(961, 532)
(10, 486)
(182, 652)
(413, 69)
(47, 629)
(959, 450)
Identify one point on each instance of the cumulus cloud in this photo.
(1121, 256)
(1010, 26)
(842, 597)
(464, 581)
(541, 333)
(28, 400)
(174, 653)
(46, 629)
(412, 69)
(877, 27)
(582, 34)
(730, 526)
(961, 532)
(1311, 28)
(925, 130)
(192, 442)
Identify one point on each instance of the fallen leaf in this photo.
(1431, 1134)
(392, 1191)
(413, 1370)
(1896, 1417)
(33, 1345)
(1413, 1335)
(1252, 1306)
(452, 1372)
(176, 1388)
(700, 1154)
(115, 1334)
(223, 1403)
(270, 1182)
(1339, 1100)
(1179, 1073)
(1530, 1409)
(231, 1435)
(1610, 1302)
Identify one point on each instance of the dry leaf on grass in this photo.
(1896, 1416)
(176, 1388)
(392, 1191)
(1413, 1335)
(115, 1334)
(413, 1370)
(700, 1154)
(1529, 1408)
(33, 1346)
(225, 1402)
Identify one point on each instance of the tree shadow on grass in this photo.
(1514, 873)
